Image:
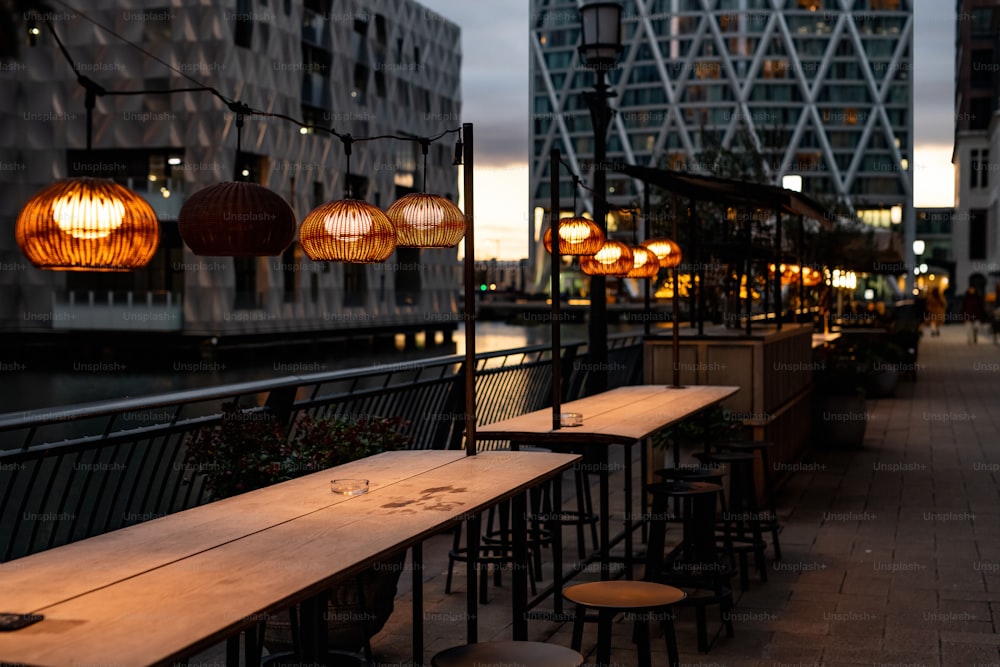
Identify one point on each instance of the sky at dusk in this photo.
(495, 98)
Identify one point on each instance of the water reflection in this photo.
(32, 389)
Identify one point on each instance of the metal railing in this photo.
(74, 472)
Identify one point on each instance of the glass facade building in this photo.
(821, 89)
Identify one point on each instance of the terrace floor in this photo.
(891, 552)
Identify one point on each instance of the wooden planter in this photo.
(350, 620)
(840, 421)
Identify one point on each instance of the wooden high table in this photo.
(621, 416)
(158, 592)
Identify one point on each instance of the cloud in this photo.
(494, 74)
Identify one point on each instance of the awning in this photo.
(728, 191)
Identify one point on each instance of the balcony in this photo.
(118, 311)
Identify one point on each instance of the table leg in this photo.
(605, 502)
(473, 526)
(313, 621)
(252, 645)
(417, 574)
(519, 578)
(627, 449)
(233, 651)
(555, 530)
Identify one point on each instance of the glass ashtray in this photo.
(349, 487)
(570, 419)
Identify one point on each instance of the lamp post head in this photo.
(792, 182)
(600, 34)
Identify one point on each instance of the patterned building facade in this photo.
(821, 88)
(366, 68)
(975, 231)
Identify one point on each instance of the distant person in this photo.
(973, 309)
(937, 306)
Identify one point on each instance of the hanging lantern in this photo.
(790, 274)
(426, 221)
(577, 236)
(347, 230)
(87, 224)
(645, 264)
(613, 259)
(236, 219)
(668, 252)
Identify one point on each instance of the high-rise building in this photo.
(975, 231)
(820, 88)
(370, 68)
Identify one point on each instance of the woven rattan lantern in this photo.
(645, 264)
(347, 230)
(613, 259)
(577, 236)
(236, 219)
(666, 250)
(87, 224)
(426, 221)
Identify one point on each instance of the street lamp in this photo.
(918, 247)
(600, 46)
(793, 182)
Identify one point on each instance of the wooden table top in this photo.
(621, 415)
(48, 577)
(170, 611)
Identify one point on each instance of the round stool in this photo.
(526, 654)
(696, 564)
(641, 598)
(771, 524)
(743, 520)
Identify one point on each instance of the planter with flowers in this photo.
(251, 449)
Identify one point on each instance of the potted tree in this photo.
(251, 449)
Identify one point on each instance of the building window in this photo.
(355, 285)
(407, 277)
(290, 273)
(157, 27)
(977, 233)
(243, 30)
(981, 65)
(984, 170)
(246, 283)
(974, 169)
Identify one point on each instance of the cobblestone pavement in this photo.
(891, 553)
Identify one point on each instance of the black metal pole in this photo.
(802, 266)
(597, 325)
(699, 268)
(647, 301)
(777, 270)
(470, 296)
(554, 161)
(749, 269)
(675, 274)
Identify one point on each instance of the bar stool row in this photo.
(696, 572)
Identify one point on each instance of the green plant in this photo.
(841, 370)
(250, 449)
(715, 426)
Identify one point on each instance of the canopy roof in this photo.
(728, 191)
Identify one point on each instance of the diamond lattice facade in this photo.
(822, 89)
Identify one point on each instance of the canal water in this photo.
(25, 388)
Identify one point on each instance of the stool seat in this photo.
(525, 654)
(683, 488)
(728, 457)
(698, 474)
(744, 445)
(643, 599)
(623, 595)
